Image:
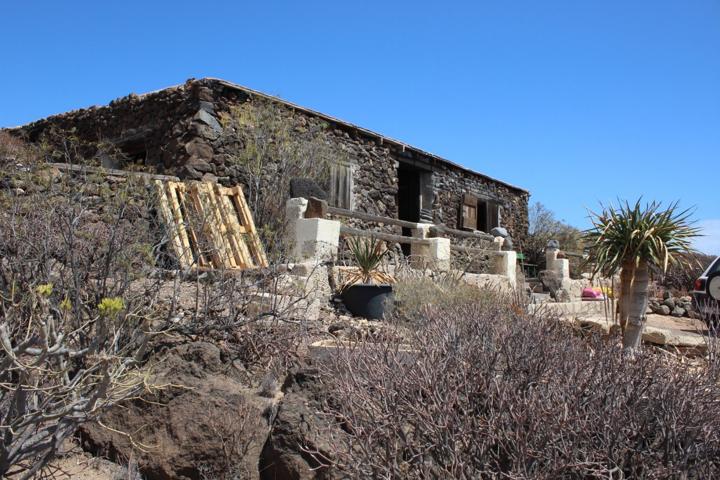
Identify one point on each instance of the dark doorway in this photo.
(414, 196)
(408, 194)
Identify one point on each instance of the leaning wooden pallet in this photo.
(211, 226)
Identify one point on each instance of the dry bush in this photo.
(492, 393)
(82, 298)
(682, 275)
(545, 227)
(272, 147)
(72, 331)
(415, 290)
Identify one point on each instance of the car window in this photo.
(715, 267)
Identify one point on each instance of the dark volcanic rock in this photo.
(306, 188)
(203, 423)
(301, 436)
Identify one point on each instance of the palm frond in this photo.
(636, 233)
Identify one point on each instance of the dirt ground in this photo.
(686, 325)
(81, 466)
(76, 464)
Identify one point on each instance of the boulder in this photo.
(205, 116)
(300, 435)
(199, 165)
(306, 188)
(662, 310)
(209, 177)
(678, 312)
(203, 422)
(198, 148)
(554, 285)
(553, 244)
(669, 302)
(499, 232)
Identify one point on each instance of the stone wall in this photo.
(181, 131)
(450, 186)
(144, 128)
(375, 177)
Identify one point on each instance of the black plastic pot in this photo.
(369, 301)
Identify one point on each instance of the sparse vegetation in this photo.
(463, 384)
(681, 275)
(73, 327)
(545, 227)
(491, 392)
(415, 291)
(273, 148)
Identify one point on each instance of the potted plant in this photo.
(368, 292)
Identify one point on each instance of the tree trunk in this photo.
(636, 306)
(626, 276)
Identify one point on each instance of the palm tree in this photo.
(636, 241)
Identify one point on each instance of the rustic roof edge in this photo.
(365, 131)
(309, 111)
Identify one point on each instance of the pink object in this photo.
(591, 293)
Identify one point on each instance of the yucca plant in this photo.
(636, 240)
(367, 254)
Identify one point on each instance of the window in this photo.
(493, 215)
(341, 185)
(470, 212)
(480, 214)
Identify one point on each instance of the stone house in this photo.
(181, 131)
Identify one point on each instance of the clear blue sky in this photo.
(577, 101)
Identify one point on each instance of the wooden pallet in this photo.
(210, 226)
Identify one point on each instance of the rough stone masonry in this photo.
(180, 131)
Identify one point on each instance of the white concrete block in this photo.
(434, 253)
(295, 208)
(316, 239)
(422, 230)
(498, 243)
(505, 263)
(561, 266)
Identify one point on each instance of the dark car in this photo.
(706, 293)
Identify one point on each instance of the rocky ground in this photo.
(214, 408)
(676, 306)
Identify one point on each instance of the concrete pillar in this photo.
(421, 230)
(315, 239)
(505, 263)
(433, 253)
(295, 210)
(498, 243)
(561, 266)
(550, 257)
